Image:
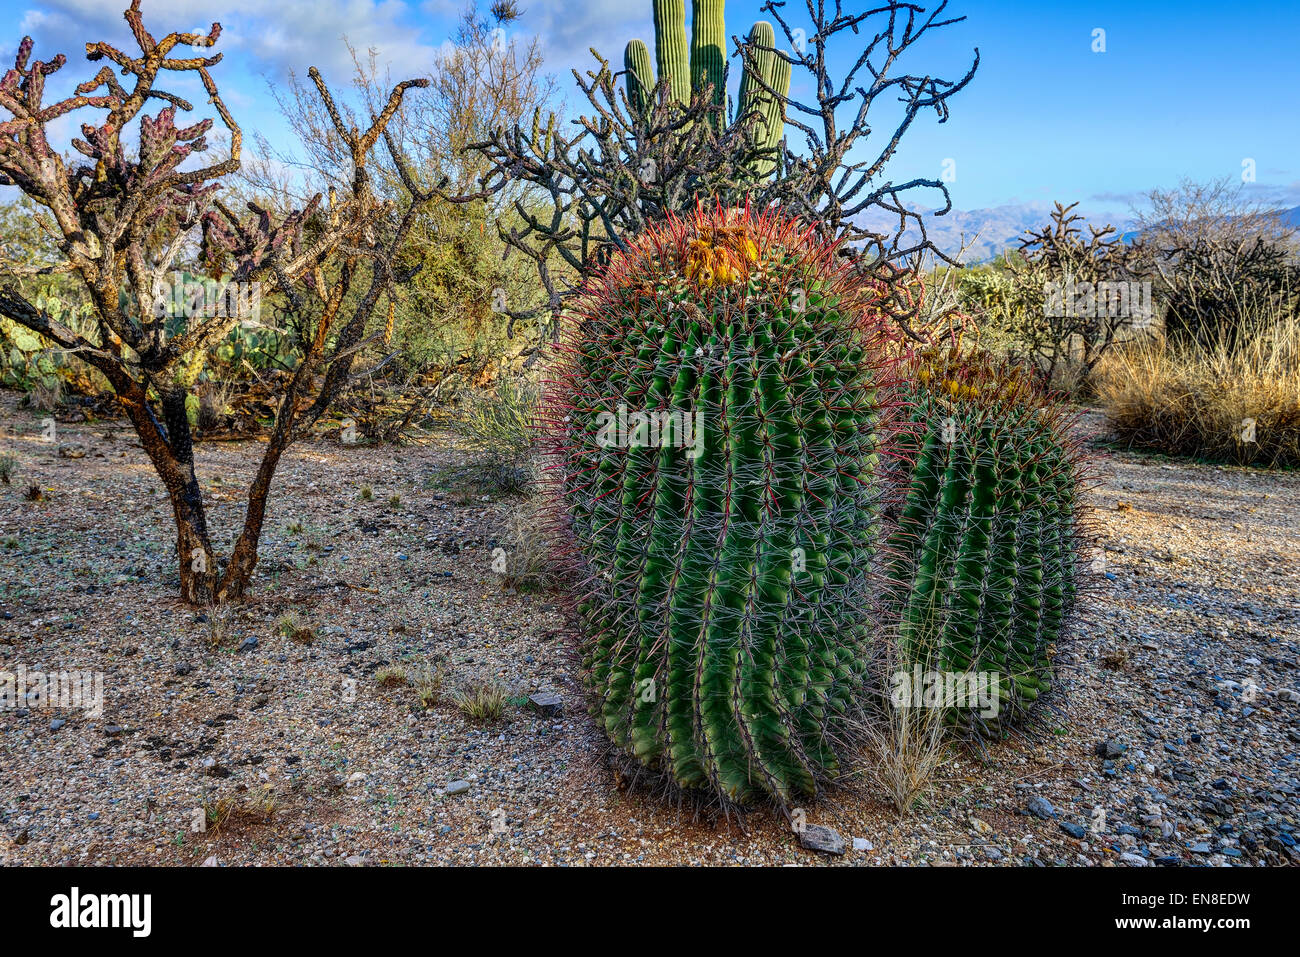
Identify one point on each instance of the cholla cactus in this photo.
(715, 419)
(986, 555)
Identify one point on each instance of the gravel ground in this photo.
(1173, 739)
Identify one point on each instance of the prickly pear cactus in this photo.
(715, 421)
(986, 554)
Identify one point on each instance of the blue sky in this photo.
(1183, 89)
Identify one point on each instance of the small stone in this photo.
(980, 827)
(1041, 807)
(1134, 860)
(1075, 831)
(546, 702)
(183, 668)
(457, 787)
(814, 837)
(57, 723)
(862, 844)
(248, 644)
(357, 777)
(1110, 749)
(212, 862)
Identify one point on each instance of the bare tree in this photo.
(122, 219)
(1219, 258)
(626, 164)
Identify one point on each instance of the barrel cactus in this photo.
(986, 552)
(715, 417)
(704, 69)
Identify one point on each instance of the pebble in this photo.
(815, 837)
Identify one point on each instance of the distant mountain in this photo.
(984, 232)
(987, 232)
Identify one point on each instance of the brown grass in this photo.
(1190, 400)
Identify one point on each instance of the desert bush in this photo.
(1220, 259)
(498, 425)
(1235, 399)
(1060, 301)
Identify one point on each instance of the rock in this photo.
(1041, 807)
(57, 723)
(1134, 860)
(546, 702)
(212, 862)
(248, 644)
(980, 827)
(993, 854)
(183, 668)
(457, 787)
(1075, 831)
(354, 861)
(814, 837)
(357, 777)
(1110, 749)
(862, 844)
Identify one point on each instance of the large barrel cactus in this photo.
(715, 418)
(986, 552)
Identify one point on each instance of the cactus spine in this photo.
(714, 420)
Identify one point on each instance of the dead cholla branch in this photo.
(123, 219)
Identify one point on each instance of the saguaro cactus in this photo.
(705, 68)
(715, 419)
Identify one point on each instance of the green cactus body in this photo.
(702, 65)
(985, 554)
(709, 49)
(725, 579)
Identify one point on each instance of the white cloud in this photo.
(269, 37)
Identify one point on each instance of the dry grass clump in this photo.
(482, 702)
(1232, 401)
(530, 549)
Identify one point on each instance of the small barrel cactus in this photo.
(715, 420)
(986, 552)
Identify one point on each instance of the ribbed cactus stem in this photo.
(640, 75)
(774, 72)
(702, 66)
(709, 52)
(985, 553)
(671, 51)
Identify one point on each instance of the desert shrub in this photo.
(1061, 301)
(499, 427)
(1236, 399)
(1220, 261)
